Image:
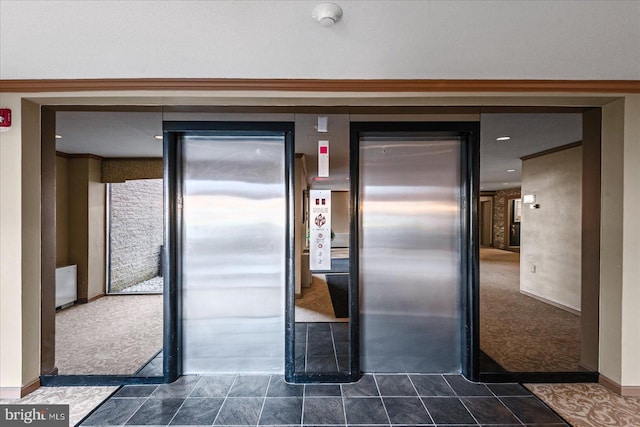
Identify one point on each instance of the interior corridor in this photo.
(109, 336)
(519, 332)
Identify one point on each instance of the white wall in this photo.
(278, 39)
(551, 236)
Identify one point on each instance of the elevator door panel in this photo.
(233, 262)
(410, 280)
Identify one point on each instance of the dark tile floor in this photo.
(322, 347)
(257, 400)
(153, 368)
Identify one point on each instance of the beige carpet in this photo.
(522, 334)
(589, 405)
(81, 400)
(315, 303)
(112, 335)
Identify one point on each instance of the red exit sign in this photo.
(5, 117)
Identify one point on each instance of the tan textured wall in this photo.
(96, 212)
(31, 241)
(551, 236)
(340, 211)
(87, 225)
(612, 239)
(62, 212)
(120, 170)
(500, 213)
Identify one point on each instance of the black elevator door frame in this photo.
(173, 135)
(469, 132)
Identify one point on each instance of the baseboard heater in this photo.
(66, 286)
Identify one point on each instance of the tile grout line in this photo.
(335, 350)
(421, 401)
(304, 395)
(375, 380)
(184, 401)
(225, 400)
(460, 399)
(136, 411)
(344, 409)
(306, 348)
(509, 409)
(503, 404)
(264, 400)
(99, 405)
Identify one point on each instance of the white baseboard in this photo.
(553, 303)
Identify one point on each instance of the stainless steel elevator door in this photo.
(410, 259)
(233, 259)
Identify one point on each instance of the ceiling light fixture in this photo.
(58, 136)
(503, 138)
(511, 170)
(505, 183)
(158, 137)
(327, 14)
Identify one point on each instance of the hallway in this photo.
(521, 333)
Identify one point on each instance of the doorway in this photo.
(536, 303)
(416, 252)
(230, 249)
(232, 317)
(486, 221)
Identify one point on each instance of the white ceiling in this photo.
(386, 39)
(530, 133)
(109, 134)
(131, 134)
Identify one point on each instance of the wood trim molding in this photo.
(78, 156)
(19, 392)
(32, 386)
(552, 150)
(322, 85)
(624, 391)
(88, 300)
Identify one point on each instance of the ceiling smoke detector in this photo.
(327, 14)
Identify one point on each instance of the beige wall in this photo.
(631, 244)
(96, 211)
(340, 211)
(551, 236)
(31, 239)
(62, 212)
(11, 331)
(86, 231)
(611, 254)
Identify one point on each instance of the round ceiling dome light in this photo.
(327, 14)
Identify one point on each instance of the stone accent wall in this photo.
(136, 231)
(499, 214)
